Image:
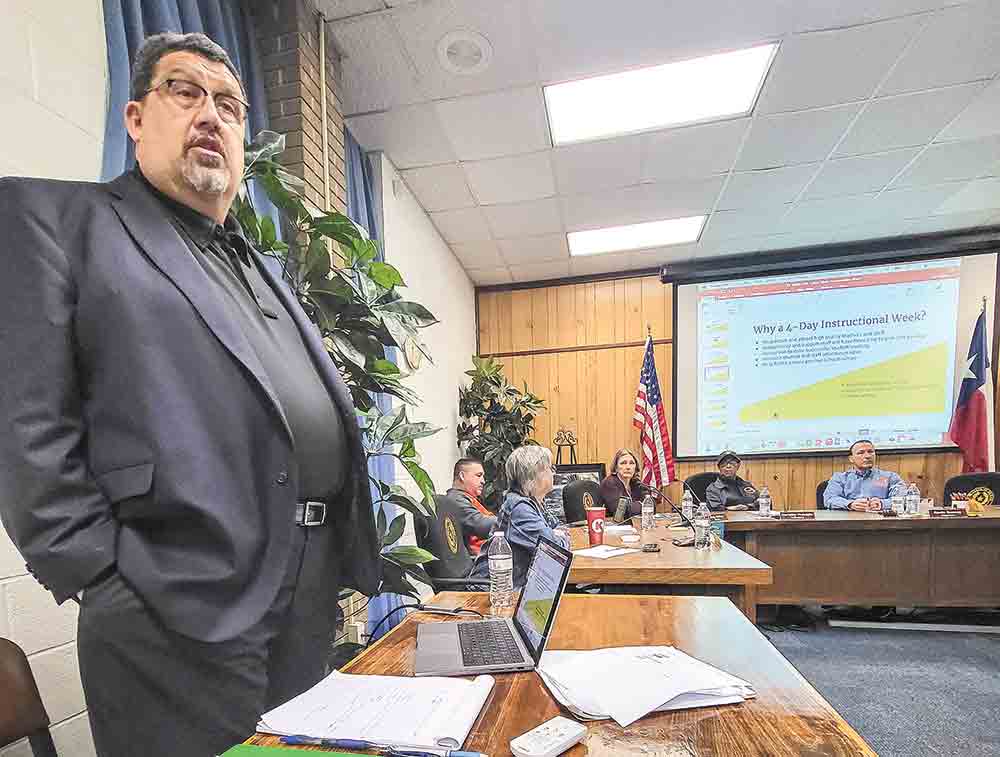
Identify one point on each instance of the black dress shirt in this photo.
(227, 259)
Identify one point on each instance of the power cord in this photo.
(420, 607)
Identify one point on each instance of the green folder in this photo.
(249, 750)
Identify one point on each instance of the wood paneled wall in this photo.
(579, 347)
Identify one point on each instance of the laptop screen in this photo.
(536, 608)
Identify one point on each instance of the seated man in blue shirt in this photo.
(863, 488)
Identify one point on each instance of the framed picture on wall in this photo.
(553, 503)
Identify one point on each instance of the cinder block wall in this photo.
(53, 84)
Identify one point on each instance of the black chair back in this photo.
(982, 488)
(699, 483)
(22, 714)
(580, 494)
(820, 491)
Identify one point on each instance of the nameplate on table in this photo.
(947, 512)
(797, 515)
(717, 517)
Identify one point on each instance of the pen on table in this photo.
(382, 749)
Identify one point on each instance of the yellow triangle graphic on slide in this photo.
(904, 385)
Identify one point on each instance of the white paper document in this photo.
(416, 712)
(627, 683)
(603, 551)
(625, 528)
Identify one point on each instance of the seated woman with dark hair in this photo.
(522, 519)
(623, 482)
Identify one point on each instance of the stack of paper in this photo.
(603, 551)
(627, 683)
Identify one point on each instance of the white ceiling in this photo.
(879, 118)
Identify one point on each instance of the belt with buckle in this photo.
(310, 513)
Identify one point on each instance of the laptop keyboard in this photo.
(488, 643)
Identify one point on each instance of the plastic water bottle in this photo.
(702, 527)
(912, 500)
(648, 509)
(898, 501)
(687, 505)
(501, 562)
(764, 502)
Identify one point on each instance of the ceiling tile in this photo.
(646, 202)
(980, 119)
(790, 138)
(983, 194)
(338, 9)
(663, 255)
(957, 45)
(502, 22)
(489, 276)
(537, 271)
(522, 177)
(768, 186)
(906, 120)
(393, 133)
(602, 164)
(439, 187)
(478, 254)
(692, 151)
(535, 249)
(588, 265)
(830, 213)
(832, 67)
(914, 202)
(489, 126)
(524, 219)
(823, 14)
(952, 221)
(466, 225)
(952, 161)
(373, 82)
(864, 173)
(878, 229)
(730, 224)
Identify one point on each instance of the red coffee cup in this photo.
(595, 525)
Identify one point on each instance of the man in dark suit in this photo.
(179, 453)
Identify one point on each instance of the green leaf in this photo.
(394, 580)
(422, 480)
(380, 523)
(385, 275)
(419, 313)
(384, 367)
(408, 555)
(347, 350)
(395, 531)
(268, 235)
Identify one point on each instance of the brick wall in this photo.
(53, 79)
(288, 38)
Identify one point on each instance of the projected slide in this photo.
(816, 360)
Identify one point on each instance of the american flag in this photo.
(654, 439)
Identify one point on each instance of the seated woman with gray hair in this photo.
(522, 519)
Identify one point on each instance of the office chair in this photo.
(575, 500)
(22, 714)
(820, 491)
(699, 483)
(982, 488)
(443, 537)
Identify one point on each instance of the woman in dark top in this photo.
(623, 482)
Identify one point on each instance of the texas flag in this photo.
(969, 423)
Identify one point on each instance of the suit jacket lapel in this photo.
(144, 217)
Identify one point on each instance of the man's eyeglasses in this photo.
(188, 95)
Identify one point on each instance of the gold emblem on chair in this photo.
(980, 498)
(451, 535)
(588, 500)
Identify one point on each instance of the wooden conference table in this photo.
(845, 557)
(788, 717)
(728, 572)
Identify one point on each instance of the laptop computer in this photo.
(502, 644)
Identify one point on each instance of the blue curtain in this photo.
(128, 22)
(361, 195)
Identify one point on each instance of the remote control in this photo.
(549, 739)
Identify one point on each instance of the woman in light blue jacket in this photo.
(522, 519)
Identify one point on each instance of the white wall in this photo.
(53, 83)
(435, 279)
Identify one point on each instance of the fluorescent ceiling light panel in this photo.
(635, 236)
(701, 89)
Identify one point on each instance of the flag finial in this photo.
(649, 329)
(984, 304)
